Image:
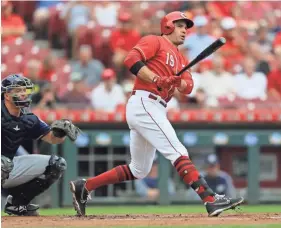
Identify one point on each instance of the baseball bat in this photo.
(205, 53)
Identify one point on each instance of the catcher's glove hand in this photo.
(61, 128)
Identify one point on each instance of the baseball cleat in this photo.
(80, 196)
(20, 210)
(222, 203)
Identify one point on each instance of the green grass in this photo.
(205, 226)
(100, 210)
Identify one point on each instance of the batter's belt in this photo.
(153, 97)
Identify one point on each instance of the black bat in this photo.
(205, 53)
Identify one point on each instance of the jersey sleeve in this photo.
(40, 129)
(148, 47)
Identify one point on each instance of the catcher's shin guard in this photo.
(7, 166)
(24, 193)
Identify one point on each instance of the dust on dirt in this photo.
(140, 220)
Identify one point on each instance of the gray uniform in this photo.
(26, 168)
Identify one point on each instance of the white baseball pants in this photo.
(150, 130)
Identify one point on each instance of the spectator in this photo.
(46, 98)
(48, 72)
(12, 25)
(32, 71)
(218, 180)
(236, 45)
(262, 37)
(260, 57)
(105, 13)
(250, 84)
(148, 186)
(108, 95)
(76, 14)
(41, 16)
(122, 40)
(76, 96)
(277, 40)
(194, 43)
(199, 99)
(218, 83)
(173, 104)
(128, 86)
(274, 78)
(91, 69)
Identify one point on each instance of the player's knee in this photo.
(7, 166)
(184, 151)
(181, 152)
(55, 169)
(139, 173)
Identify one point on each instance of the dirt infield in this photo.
(141, 220)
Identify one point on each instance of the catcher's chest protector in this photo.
(14, 130)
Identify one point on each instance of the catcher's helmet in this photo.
(167, 25)
(22, 97)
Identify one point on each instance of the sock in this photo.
(116, 175)
(191, 176)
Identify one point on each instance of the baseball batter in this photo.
(155, 61)
(25, 177)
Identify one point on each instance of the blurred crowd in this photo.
(96, 36)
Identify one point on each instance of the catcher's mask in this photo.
(19, 88)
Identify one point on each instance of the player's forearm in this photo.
(50, 138)
(146, 74)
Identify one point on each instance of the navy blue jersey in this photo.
(15, 130)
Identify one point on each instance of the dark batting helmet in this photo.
(167, 22)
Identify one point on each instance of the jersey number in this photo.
(170, 60)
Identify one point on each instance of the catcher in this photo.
(25, 177)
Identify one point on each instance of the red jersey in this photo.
(274, 80)
(13, 21)
(161, 57)
(124, 41)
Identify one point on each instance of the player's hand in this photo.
(167, 82)
(176, 80)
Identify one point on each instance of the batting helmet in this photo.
(167, 25)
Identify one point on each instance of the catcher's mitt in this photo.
(63, 128)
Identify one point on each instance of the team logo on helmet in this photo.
(184, 16)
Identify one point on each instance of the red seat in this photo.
(11, 67)
(36, 53)
(8, 52)
(60, 63)
(25, 46)
(62, 78)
